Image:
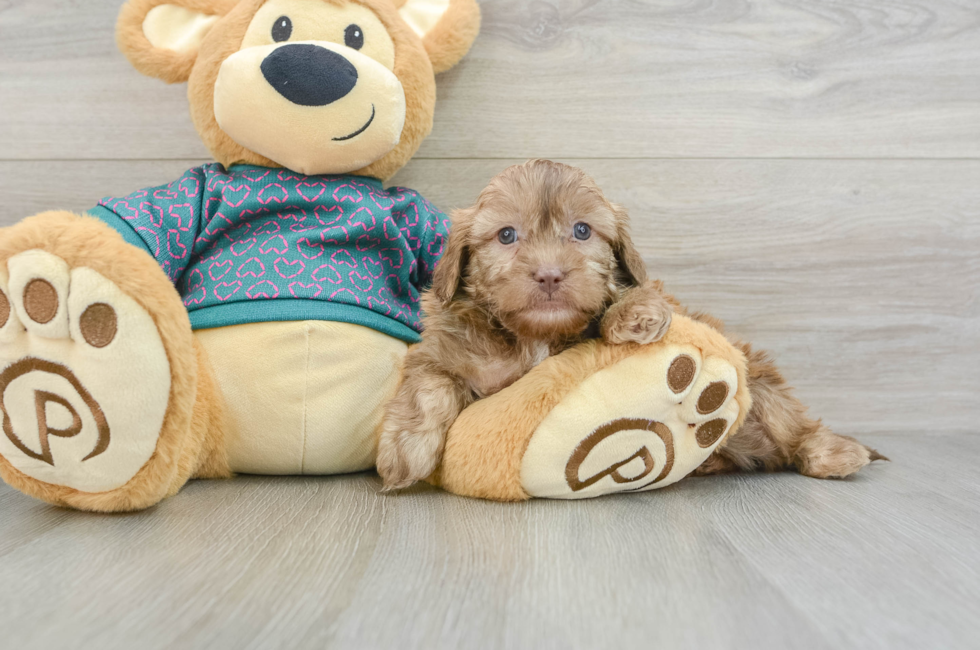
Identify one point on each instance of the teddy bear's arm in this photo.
(165, 221)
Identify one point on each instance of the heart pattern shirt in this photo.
(251, 244)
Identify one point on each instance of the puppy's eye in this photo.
(507, 236)
(354, 37)
(582, 231)
(282, 29)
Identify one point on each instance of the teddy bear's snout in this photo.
(309, 75)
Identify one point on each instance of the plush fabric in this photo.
(305, 397)
(253, 244)
(523, 440)
(412, 68)
(51, 404)
(178, 29)
(448, 39)
(86, 242)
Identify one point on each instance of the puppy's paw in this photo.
(715, 464)
(828, 455)
(406, 457)
(637, 322)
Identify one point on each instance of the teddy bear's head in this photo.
(316, 86)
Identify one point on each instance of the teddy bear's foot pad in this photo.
(85, 380)
(641, 424)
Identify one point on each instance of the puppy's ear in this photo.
(447, 28)
(161, 37)
(630, 261)
(448, 275)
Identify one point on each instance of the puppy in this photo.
(541, 262)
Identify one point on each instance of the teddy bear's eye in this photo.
(282, 29)
(354, 37)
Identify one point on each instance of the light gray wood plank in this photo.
(885, 560)
(862, 277)
(570, 78)
(805, 542)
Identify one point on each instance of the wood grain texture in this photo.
(862, 277)
(616, 79)
(885, 560)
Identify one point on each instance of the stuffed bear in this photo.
(252, 315)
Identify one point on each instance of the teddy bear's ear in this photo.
(161, 37)
(447, 28)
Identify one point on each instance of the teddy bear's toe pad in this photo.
(640, 424)
(84, 377)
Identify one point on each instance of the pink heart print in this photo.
(275, 244)
(311, 191)
(256, 175)
(347, 193)
(219, 270)
(362, 282)
(327, 273)
(270, 227)
(274, 192)
(288, 270)
(300, 290)
(251, 233)
(252, 267)
(196, 293)
(345, 296)
(343, 257)
(175, 248)
(310, 249)
(235, 195)
(264, 289)
(328, 215)
(225, 290)
(152, 212)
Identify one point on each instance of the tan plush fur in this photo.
(170, 66)
(448, 40)
(451, 38)
(486, 444)
(204, 454)
(498, 309)
(85, 241)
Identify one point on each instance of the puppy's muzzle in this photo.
(309, 75)
(549, 279)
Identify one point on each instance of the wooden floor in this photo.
(887, 560)
(808, 170)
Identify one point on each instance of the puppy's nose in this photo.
(309, 75)
(549, 279)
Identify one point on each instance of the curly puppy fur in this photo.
(499, 307)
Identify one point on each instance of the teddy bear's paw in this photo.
(641, 424)
(85, 380)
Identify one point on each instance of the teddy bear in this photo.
(252, 315)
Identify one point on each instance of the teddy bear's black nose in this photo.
(309, 75)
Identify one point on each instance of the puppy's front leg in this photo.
(413, 432)
(641, 315)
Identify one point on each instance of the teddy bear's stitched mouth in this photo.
(360, 130)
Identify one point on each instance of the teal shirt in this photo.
(252, 244)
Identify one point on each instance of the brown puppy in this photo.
(541, 262)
